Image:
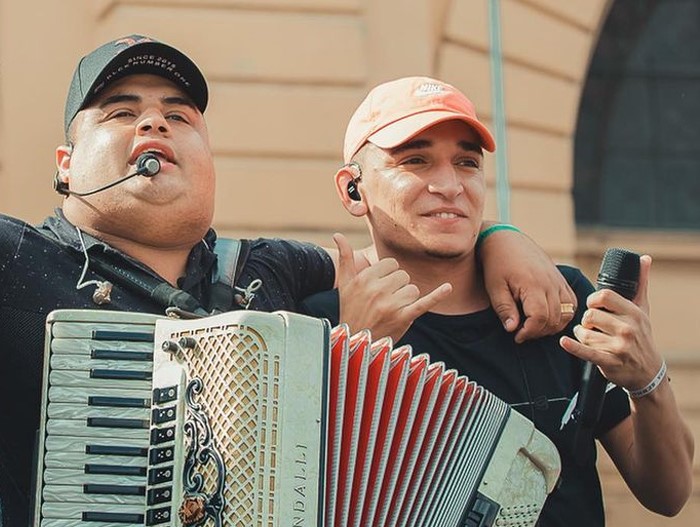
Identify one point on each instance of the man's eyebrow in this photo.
(411, 145)
(467, 146)
(470, 147)
(178, 100)
(174, 100)
(116, 99)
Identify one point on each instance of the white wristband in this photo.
(653, 385)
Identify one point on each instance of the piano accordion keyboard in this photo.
(109, 443)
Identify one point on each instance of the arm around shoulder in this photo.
(517, 271)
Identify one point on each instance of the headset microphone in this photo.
(147, 165)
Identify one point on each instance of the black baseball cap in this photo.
(132, 55)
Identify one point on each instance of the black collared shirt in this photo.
(40, 269)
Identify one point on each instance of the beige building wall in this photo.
(284, 77)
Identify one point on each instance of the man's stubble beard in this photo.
(444, 255)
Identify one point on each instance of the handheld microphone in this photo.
(619, 271)
(147, 164)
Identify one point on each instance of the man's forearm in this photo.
(658, 464)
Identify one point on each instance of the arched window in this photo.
(637, 143)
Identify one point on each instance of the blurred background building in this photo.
(595, 105)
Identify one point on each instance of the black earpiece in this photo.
(353, 193)
(60, 186)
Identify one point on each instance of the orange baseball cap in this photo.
(397, 110)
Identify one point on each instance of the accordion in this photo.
(271, 419)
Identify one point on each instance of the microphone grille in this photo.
(148, 165)
(619, 270)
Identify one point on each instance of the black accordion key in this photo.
(162, 435)
(121, 375)
(113, 517)
(118, 490)
(114, 422)
(156, 516)
(116, 450)
(160, 475)
(164, 395)
(115, 470)
(119, 402)
(122, 336)
(143, 356)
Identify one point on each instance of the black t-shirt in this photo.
(39, 270)
(537, 378)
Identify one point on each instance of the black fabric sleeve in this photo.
(290, 271)
(323, 305)
(10, 236)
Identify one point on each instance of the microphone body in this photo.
(147, 164)
(619, 271)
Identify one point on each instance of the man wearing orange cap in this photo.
(414, 169)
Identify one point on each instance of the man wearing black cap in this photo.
(134, 236)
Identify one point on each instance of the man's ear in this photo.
(63, 159)
(347, 179)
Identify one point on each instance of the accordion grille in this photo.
(242, 381)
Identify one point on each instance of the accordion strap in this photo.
(231, 255)
(227, 251)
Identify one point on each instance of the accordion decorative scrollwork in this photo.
(197, 505)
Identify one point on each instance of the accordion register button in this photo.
(160, 475)
(163, 415)
(164, 395)
(161, 495)
(161, 455)
(162, 435)
(156, 516)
